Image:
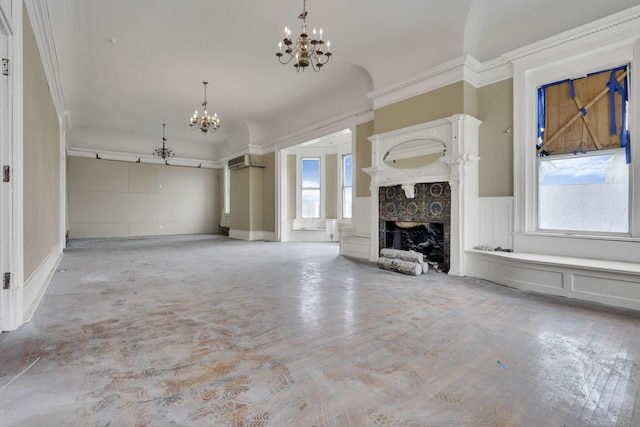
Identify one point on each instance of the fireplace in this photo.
(414, 202)
(421, 224)
(426, 238)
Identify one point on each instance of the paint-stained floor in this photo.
(209, 331)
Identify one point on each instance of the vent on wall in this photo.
(243, 161)
(240, 162)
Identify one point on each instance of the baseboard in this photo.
(36, 285)
(252, 235)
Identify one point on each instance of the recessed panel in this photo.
(618, 287)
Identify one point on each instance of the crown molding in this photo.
(142, 158)
(319, 130)
(615, 29)
(464, 68)
(433, 78)
(40, 23)
(622, 25)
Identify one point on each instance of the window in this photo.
(347, 191)
(310, 194)
(584, 154)
(588, 192)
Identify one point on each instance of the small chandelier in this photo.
(306, 52)
(163, 152)
(205, 123)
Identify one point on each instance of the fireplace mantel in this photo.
(458, 167)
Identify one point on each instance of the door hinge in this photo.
(5, 67)
(6, 173)
(6, 282)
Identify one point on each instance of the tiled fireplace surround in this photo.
(445, 192)
(402, 219)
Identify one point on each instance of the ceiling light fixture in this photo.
(205, 123)
(306, 52)
(163, 152)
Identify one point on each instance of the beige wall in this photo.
(42, 204)
(363, 159)
(433, 105)
(240, 199)
(269, 193)
(120, 199)
(253, 196)
(256, 195)
(495, 109)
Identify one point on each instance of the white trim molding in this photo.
(38, 12)
(36, 285)
(268, 236)
(145, 158)
(479, 74)
(458, 166)
(336, 124)
(599, 268)
(464, 68)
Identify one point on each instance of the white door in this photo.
(6, 188)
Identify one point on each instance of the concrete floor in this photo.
(208, 331)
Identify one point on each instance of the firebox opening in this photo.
(426, 238)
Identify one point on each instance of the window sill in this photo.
(622, 267)
(578, 236)
(605, 248)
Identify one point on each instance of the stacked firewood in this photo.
(406, 262)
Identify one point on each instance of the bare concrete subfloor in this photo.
(208, 331)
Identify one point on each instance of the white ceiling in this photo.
(127, 66)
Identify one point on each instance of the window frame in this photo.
(341, 202)
(310, 154)
(530, 73)
(578, 154)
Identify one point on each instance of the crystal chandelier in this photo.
(306, 52)
(205, 123)
(163, 152)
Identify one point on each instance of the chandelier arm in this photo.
(287, 61)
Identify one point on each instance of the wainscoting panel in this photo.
(516, 275)
(591, 280)
(607, 286)
(495, 222)
(355, 238)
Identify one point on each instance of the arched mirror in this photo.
(413, 154)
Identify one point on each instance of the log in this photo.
(405, 256)
(405, 267)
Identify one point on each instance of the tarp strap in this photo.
(615, 86)
(542, 94)
(573, 96)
